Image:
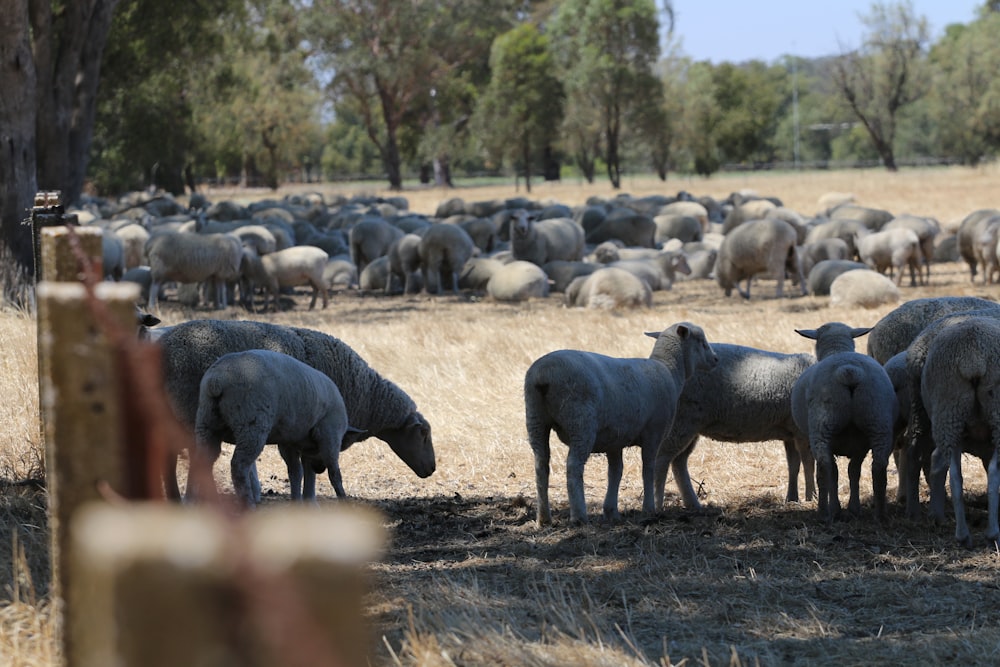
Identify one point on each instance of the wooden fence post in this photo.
(80, 417)
(278, 587)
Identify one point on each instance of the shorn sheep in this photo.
(298, 265)
(862, 289)
(260, 397)
(747, 397)
(759, 246)
(188, 257)
(545, 240)
(846, 405)
(374, 404)
(600, 404)
(610, 288)
(960, 385)
(444, 249)
(900, 327)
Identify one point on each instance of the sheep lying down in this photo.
(601, 404)
(259, 397)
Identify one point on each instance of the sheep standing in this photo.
(747, 397)
(846, 406)
(187, 257)
(960, 384)
(759, 246)
(298, 265)
(260, 397)
(444, 250)
(545, 240)
(968, 231)
(600, 404)
(900, 327)
(370, 239)
(374, 404)
(891, 250)
(404, 263)
(927, 230)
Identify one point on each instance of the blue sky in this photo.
(738, 30)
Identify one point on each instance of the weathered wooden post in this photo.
(171, 585)
(48, 212)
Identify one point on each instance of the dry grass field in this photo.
(469, 579)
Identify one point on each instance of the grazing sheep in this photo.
(892, 250)
(563, 272)
(443, 250)
(927, 230)
(846, 230)
(813, 253)
(822, 275)
(375, 276)
(340, 273)
(872, 218)
(755, 209)
(701, 264)
(968, 231)
(846, 406)
(374, 404)
(518, 281)
(112, 255)
(862, 289)
(758, 246)
(627, 226)
(259, 237)
(298, 265)
(599, 404)
(685, 209)
(370, 239)
(404, 263)
(259, 397)
(960, 384)
(747, 397)
(609, 288)
(675, 226)
(545, 240)
(900, 327)
(190, 258)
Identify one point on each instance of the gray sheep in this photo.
(960, 384)
(375, 276)
(444, 250)
(193, 258)
(862, 289)
(477, 273)
(846, 230)
(759, 246)
(600, 404)
(259, 397)
(563, 272)
(518, 281)
(872, 218)
(404, 263)
(846, 406)
(545, 240)
(927, 231)
(892, 250)
(675, 226)
(298, 265)
(627, 226)
(609, 288)
(747, 397)
(374, 404)
(370, 239)
(968, 231)
(822, 275)
(813, 253)
(900, 327)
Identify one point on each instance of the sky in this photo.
(739, 30)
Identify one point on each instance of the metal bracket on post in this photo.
(47, 212)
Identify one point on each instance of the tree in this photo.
(520, 111)
(885, 74)
(607, 49)
(748, 98)
(50, 84)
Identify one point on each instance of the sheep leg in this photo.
(648, 456)
(809, 467)
(538, 436)
(671, 453)
(241, 468)
(962, 535)
(202, 457)
(993, 496)
(579, 452)
(682, 477)
(880, 475)
(615, 469)
(854, 478)
(293, 463)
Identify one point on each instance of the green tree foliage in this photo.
(520, 112)
(885, 74)
(748, 97)
(607, 50)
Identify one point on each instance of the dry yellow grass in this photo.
(469, 579)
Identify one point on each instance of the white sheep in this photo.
(188, 257)
(759, 246)
(298, 265)
(610, 288)
(259, 397)
(846, 406)
(545, 240)
(518, 281)
(892, 250)
(600, 404)
(747, 397)
(862, 289)
(960, 385)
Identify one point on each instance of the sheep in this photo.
(846, 406)
(633, 229)
(984, 246)
(676, 226)
(755, 209)
(927, 230)
(443, 250)
(897, 329)
(822, 275)
(960, 385)
(872, 218)
(813, 253)
(375, 276)
(846, 230)
(687, 209)
(609, 288)
(701, 264)
(298, 265)
(968, 230)
(404, 262)
(134, 237)
(601, 404)
(563, 272)
(482, 232)
(374, 404)
(518, 281)
(260, 397)
(259, 237)
(754, 247)
(370, 239)
(892, 250)
(112, 255)
(745, 398)
(477, 273)
(545, 240)
(862, 289)
(187, 258)
(340, 273)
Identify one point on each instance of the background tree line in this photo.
(258, 92)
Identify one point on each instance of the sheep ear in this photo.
(653, 334)
(860, 331)
(683, 331)
(807, 333)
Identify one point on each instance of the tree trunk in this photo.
(442, 172)
(526, 156)
(392, 160)
(18, 182)
(613, 158)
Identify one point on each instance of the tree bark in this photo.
(18, 182)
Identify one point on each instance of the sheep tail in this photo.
(849, 376)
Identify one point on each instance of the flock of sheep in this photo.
(924, 392)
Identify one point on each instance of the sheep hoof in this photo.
(964, 541)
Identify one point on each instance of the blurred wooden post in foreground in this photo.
(170, 585)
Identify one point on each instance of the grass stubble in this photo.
(469, 579)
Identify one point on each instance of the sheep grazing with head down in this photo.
(747, 397)
(757, 247)
(188, 257)
(259, 397)
(298, 265)
(846, 406)
(600, 404)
